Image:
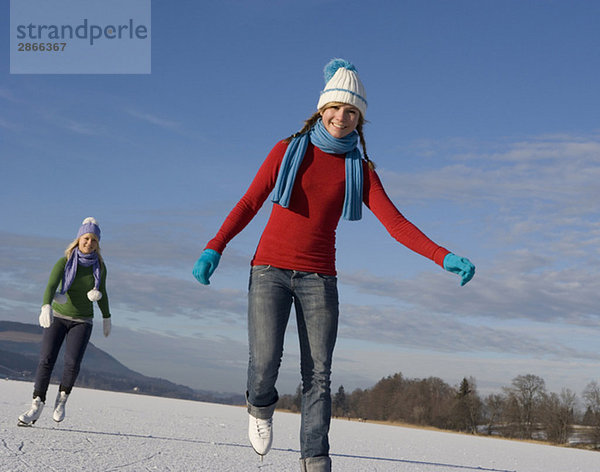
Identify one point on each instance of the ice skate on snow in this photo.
(31, 416)
(260, 433)
(59, 407)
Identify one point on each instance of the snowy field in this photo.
(107, 431)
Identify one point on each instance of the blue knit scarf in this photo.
(321, 138)
(77, 257)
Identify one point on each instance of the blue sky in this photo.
(483, 122)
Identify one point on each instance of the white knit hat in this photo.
(343, 85)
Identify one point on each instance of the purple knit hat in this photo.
(89, 225)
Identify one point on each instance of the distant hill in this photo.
(19, 352)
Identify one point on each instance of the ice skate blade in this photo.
(25, 425)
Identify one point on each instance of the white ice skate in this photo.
(31, 416)
(260, 433)
(59, 407)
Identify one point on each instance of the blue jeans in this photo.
(315, 297)
(77, 336)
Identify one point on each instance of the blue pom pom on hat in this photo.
(343, 85)
(332, 66)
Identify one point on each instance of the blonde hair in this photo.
(308, 124)
(71, 247)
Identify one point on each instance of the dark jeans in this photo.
(315, 297)
(77, 336)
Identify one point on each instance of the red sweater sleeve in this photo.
(252, 201)
(397, 225)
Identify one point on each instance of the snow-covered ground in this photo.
(107, 431)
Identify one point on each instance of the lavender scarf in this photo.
(79, 258)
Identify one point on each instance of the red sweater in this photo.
(302, 237)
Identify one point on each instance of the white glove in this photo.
(106, 325)
(46, 316)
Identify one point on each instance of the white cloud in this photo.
(560, 170)
(155, 120)
(9, 125)
(8, 95)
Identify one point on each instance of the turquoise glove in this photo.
(206, 265)
(461, 266)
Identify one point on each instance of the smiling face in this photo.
(88, 243)
(340, 119)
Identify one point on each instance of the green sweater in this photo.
(78, 305)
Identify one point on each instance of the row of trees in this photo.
(522, 410)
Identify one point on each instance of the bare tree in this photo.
(591, 396)
(524, 400)
(493, 410)
(557, 416)
(358, 403)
